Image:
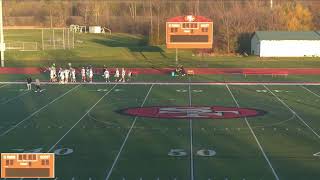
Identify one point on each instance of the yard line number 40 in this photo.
(58, 152)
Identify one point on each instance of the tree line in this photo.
(234, 20)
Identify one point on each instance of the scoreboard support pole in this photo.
(177, 57)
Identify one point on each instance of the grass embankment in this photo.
(125, 50)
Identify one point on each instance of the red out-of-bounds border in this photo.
(10, 70)
(200, 71)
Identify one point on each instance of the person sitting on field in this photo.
(180, 71)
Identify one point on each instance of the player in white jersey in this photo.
(91, 74)
(73, 75)
(66, 75)
(117, 75)
(107, 75)
(123, 75)
(54, 72)
(83, 74)
(62, 77)
(51, 74)
(129, 75)
(59, 74)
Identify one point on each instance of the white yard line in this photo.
(53, 146)
(255, 137)
(186, 83)
(311, 91)
(126, 138)
(14, 98)
(191, 139)
(36, 112)
(290, 109)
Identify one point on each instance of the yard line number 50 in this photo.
(183, 152)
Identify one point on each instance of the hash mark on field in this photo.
(293, 112)
(127, 136)
(255, 137)
(36, 112)
(4, 85)
(81, 118)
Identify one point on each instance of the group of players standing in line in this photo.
(63, 75)
(106, 75)
(69, 75)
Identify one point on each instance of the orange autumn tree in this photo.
(297, 17)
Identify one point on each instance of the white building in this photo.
(285, 44)
(95, 29)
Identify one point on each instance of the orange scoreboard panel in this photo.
(189, 32)
(27, 165)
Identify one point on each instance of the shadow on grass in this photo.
(134, 45)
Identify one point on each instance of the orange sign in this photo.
(190, 31)
(27, 165)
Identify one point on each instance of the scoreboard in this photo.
(27, 165)
(189, 32)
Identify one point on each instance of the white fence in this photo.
(22, 46)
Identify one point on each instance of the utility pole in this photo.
(2, 45)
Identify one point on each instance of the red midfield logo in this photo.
(195, 112)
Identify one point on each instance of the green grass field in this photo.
(126, 50)
(81, 124)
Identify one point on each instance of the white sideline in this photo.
(36, 112)
(53, 146)
(191, 139)
(184, 83)
(255, 137)
(127, 136)
(293, 112)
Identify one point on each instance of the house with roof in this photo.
(286, 44)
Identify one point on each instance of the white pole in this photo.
(271, 4)
(177, 56)
(42, 42)
(73, 39)
(54, 43)
(64, 45)
(1, 35)
(69, 39)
